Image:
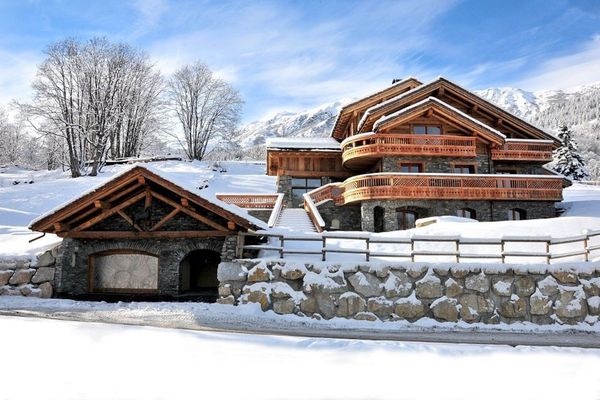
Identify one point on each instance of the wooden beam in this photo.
(185, 202)
(110, 212)
(104, 205)
(189, 212)
(231, 225)
(129, 220)
(165, 219)
(429, 113)
(61, 227)
(148, 201)
(141, 180)
(144, 235)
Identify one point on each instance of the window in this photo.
(467, 213)
(427, 129)
(127, 271)
(505, 171)
(378, 217)
(516, 214)
(406, 219)
(464, 169)
(411, 167)
(301, 186)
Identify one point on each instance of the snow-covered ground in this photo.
(23, 202)
(49, 359)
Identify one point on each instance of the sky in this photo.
(298, 54)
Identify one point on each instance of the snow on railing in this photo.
(365, 246)
(276, 211)
(313, 213)
(243, 200)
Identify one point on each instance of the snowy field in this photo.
(82, 360)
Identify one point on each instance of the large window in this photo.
(411, 167)
(464, 169)
(467, 213)
(516, 214)
(123, 271)
(301, 186)
(427, 129)
(406, 219)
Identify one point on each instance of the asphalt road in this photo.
(307, 329)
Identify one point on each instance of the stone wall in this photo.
(434, 164)
(414, 291)
(20, 277)
(348, 216)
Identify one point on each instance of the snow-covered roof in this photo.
(444, 105)
(326, 143)
(187, 176)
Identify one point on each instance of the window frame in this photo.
(472, 167)
(405, 212)
(462, 211)
(512, 212)
(420, 166)
(427, 126)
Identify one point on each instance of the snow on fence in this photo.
(361, 246)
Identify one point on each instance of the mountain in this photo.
(578, 108)
(316, 122)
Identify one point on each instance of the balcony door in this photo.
(406, 218)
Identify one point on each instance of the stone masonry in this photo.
(25, 278)
(414, 291)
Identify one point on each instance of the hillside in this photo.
(579, 108)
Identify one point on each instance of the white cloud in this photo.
(579, 68)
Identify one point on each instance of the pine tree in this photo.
(567, 160)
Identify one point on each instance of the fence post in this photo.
(240, 245)
(412, 249)
(367, 253)
(281, 243)
(457, 241)
(324, 256)
(548, 255)
(502, 251)
(586, 246)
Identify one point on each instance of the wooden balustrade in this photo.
(385, 144)
(428, 186)
(266, 201)
(530, 150)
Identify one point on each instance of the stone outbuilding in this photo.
(141, 234)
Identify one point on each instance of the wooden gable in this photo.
(463, 100)
(436, 110)
(350, 114)
(137, 205)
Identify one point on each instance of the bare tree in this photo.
(208, 108)
(99, 98)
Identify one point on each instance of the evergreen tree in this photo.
(567, 160)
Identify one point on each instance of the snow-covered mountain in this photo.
(316, 122)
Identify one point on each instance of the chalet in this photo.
(144, 234)
(416, 150)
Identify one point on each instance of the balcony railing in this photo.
(440, 186)
(525, 150)
(263, 201)
(384, 144)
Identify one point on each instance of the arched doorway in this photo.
(198, 271)
(378, 219)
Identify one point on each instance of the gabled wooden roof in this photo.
(361, 105)
(85, 216)
(443, 87)
(432, 106)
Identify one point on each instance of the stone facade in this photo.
(414, 291)
(436, 164)
(72, 265)
(348, 216)
(485, 210)
(24, 278)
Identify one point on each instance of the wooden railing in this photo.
(451, 186)
(529, 150)
(266, 201)
(506, 250)
(385, 144)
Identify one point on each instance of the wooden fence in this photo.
(363, 245)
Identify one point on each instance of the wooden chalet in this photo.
(417, 150)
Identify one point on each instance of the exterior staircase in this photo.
(296, 219)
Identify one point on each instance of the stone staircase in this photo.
(296, 219)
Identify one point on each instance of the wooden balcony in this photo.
(441, 186)
(524, 150)
(361, 150)
(260, 201)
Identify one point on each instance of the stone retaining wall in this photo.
(19, 277)
(414, 291)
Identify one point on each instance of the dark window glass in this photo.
(313, 183)
(516, 214)
(298, 182)
(406, 167)
(506, 171)
(301, 186)
(467, 213)
(419, 129)
(464, 169)
(406, 219)
(434, 130)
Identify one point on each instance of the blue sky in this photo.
(293, 55)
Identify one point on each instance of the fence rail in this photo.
(362, 244)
